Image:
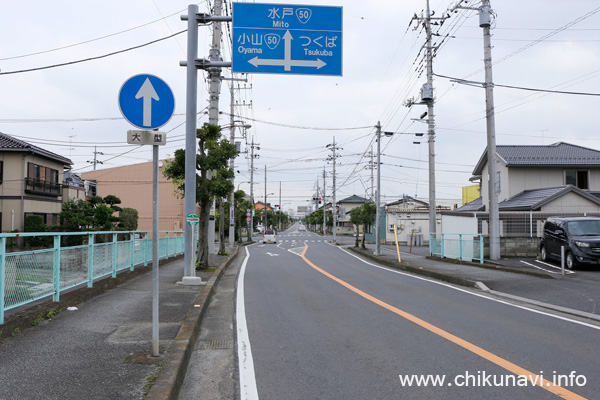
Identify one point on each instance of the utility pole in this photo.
(378, 192)
(371, 167)
(430, 125)
(265, 208)
(428, 99)
(232, 161)
(96, 161)
(485, 20)
(252, 156)
(279, 206)
(324, 205)
(333, 158)
(214, 89)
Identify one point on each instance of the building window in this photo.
(577, 178)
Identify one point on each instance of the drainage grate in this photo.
(215, 344)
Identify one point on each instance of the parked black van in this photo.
(579, 235)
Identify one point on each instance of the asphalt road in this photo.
(327, 325)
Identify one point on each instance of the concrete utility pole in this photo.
(378, 193)
(96, 161)
(371, 166)
(485, 20)
(265, 205)
(232, 160)
(333, 147)
(214, 89)
(430, 123)
(279, 205)
(252, 156)
(232, 166)
(324, 205)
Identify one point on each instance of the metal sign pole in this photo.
(155, 255)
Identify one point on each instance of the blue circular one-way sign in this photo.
(146, 101)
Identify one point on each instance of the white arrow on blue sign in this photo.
(146, 101)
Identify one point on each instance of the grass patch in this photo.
(151, 380)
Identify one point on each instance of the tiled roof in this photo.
(353, 199)
(9, 143)
(532, 200)
(475, 205)
(408, 200)
(554, 155)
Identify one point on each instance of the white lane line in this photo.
(553, 266)
(248, 390)
(473, 293)
(547, 270)
(535, 266)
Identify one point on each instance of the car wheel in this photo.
(543, 254)
(571, 261)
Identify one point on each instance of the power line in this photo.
(473, 83)
(92, 58)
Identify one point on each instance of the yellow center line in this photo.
(515, 369)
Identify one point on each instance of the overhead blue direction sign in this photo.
(287, 39)
(146, 101)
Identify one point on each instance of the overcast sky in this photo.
(550, 45)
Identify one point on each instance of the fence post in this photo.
(167, 245)
(90, 260)
(115, 251)
(146, 249)
(481, 249)
(460, 246)
(56, 274)
(132, 239)
(2, 276)
(442, 247)
(530, 224)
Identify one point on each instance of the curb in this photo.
(176, 360)
(477, 285)
(417, 270)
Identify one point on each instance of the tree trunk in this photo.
(221, 228)
(356, 242)
(363, 236)
(202, 258)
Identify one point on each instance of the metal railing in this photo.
(39, 186)
(71, 259)
(458, 246)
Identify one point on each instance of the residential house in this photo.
(523, 168)
(133, 185)
(410, 216)
(534, 182)
(259, 205)
(344, 226)
(30, 183)
(75, 188)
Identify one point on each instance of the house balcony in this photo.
(45, 188)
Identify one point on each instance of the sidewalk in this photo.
(502, 279)
(103, 349)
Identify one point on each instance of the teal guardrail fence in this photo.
(458, 246)
(61, 261)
